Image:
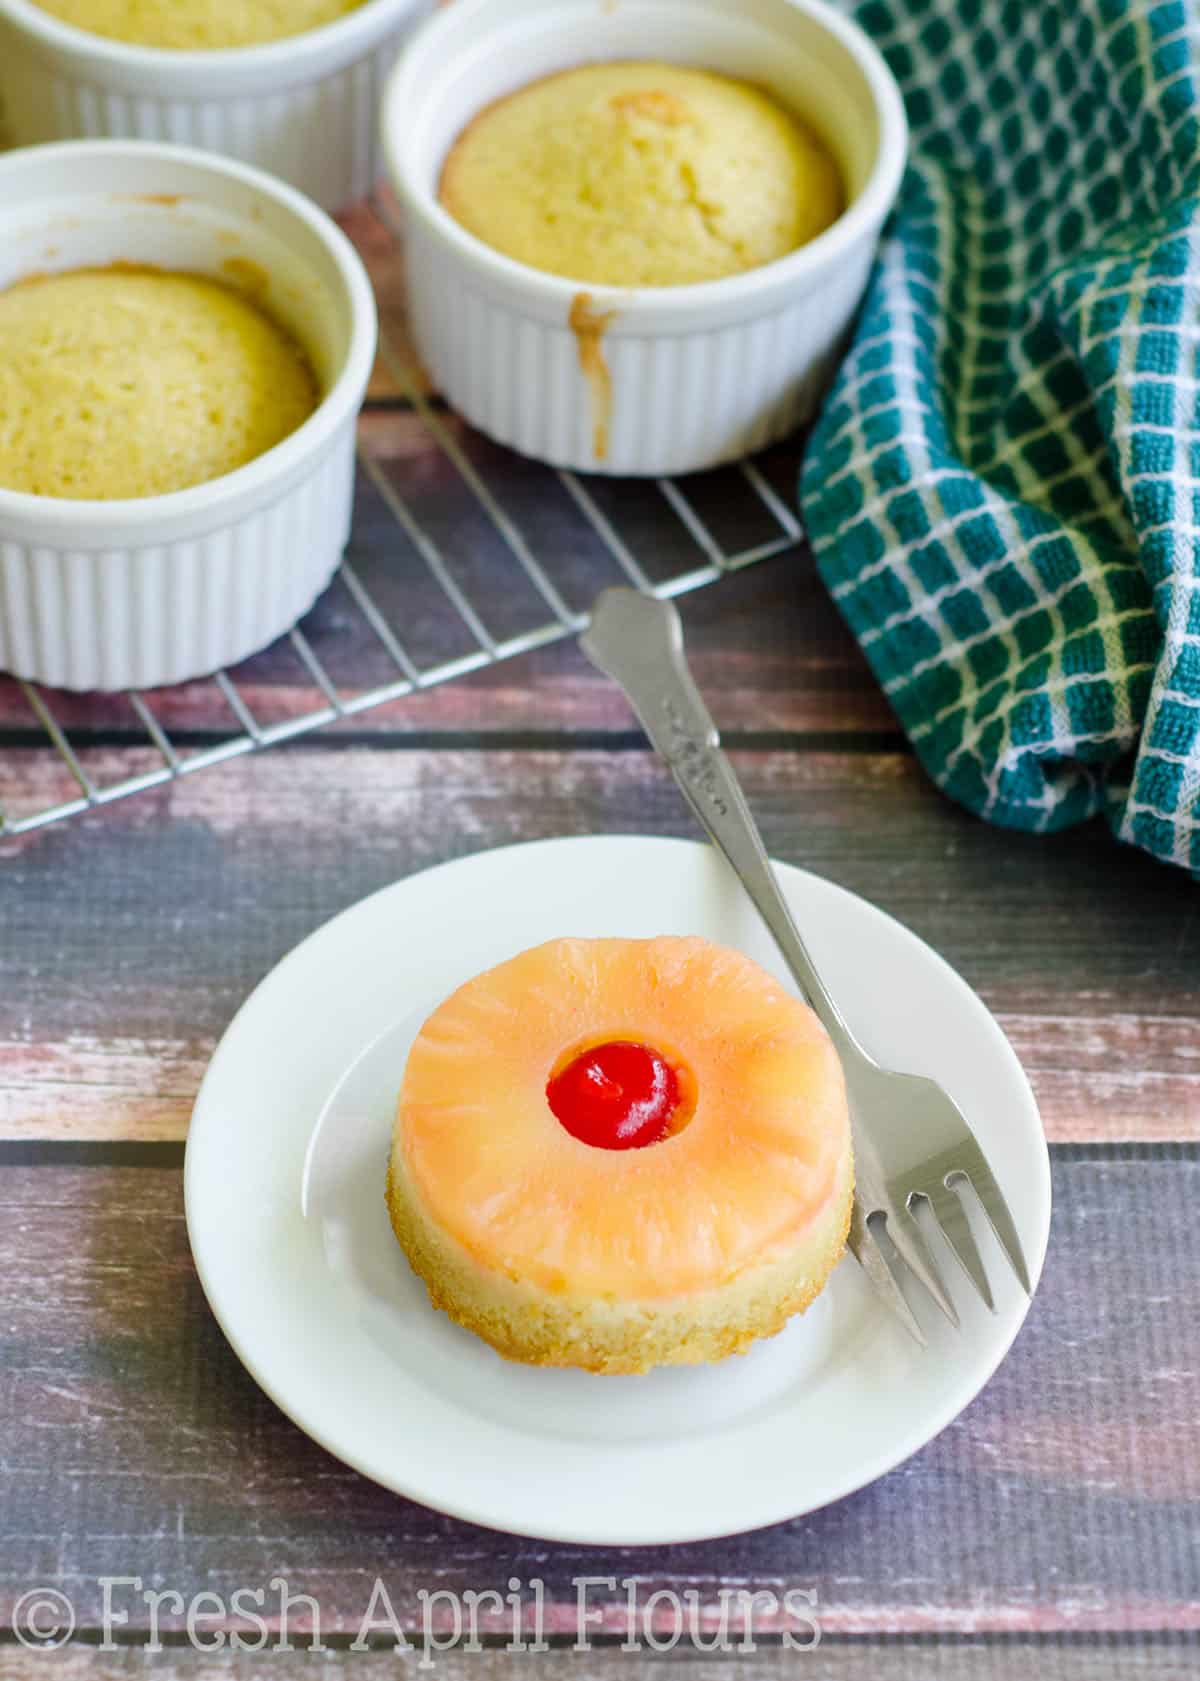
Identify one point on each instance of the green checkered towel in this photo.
(1004, 489)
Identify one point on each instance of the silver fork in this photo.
(911, 1142)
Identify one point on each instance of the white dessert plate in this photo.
(284, 1189)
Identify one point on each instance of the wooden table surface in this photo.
(1052, 1531)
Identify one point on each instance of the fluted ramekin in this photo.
(649, 380)
(305, 108)
(133, 593)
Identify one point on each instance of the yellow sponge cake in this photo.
(131, 382)
(193, 25)
(641, 174)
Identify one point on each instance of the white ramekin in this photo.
(305, 108)
(128, 594)
(698, 374)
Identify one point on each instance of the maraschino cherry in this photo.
(618, 1096)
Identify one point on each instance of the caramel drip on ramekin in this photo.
(589, 327)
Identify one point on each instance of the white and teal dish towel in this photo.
(1003, 491)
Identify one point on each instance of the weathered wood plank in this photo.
(893, 1661)
(1096, 1078)
(85, 1087)
(1087, 951)
(1063, 1500)
(897, 1660)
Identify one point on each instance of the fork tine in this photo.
(865, 1246)
(910, 1245)
(983, 1183)
(951, 1217)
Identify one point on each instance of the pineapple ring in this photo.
(563, 1253)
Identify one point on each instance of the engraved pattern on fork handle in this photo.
(638, 642)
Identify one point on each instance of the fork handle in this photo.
(637, 640)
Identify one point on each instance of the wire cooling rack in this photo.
(464, 526)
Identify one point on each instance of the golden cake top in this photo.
(641, 174)
(131, 382)
(198, 24)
